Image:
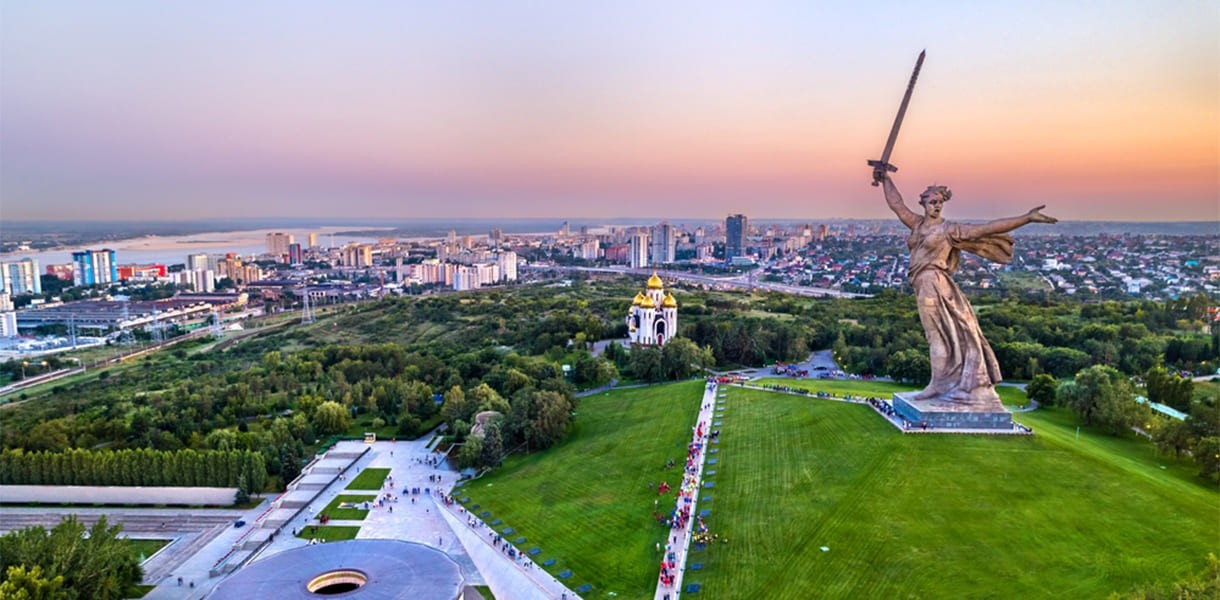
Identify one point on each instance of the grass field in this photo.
(333, 511)
(903, 516)
(328, 533)
(1009, 395)
(146, 547)
(369, 479)
(941, 516)
(586, 503)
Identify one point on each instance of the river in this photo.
(168, 250)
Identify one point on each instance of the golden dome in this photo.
(648, 303)
(639, 297)
(654, 282)
(669, 302)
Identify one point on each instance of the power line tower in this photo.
(125, 337)
(72, 329)
(158, 336)
(306, 308)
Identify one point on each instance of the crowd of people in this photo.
(680, 518)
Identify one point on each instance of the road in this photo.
(737, 281)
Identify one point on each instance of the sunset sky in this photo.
(1103, 110)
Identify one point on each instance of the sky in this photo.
(1102, 110)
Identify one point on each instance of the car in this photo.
(239, 523)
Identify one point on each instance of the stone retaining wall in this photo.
(80, 494)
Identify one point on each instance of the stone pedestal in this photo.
(948, 415)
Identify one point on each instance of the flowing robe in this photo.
(964, 368)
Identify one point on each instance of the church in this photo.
(653, 318)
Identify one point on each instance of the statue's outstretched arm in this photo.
(894, 200)
(1010, 223)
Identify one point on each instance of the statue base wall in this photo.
(938, 414)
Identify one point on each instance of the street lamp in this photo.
(26, 362)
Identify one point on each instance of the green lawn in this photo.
(146, 548)
(883, 389)
(333, 510)
(940, 516)
(369, 479)
(586, 502)
(1009, 395)
(902, 516)
(328, 533)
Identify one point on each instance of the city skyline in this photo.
(227, 110)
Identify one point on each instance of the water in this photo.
(169, 250)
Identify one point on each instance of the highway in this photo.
(738, 282)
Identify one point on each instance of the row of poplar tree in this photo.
(243, 469)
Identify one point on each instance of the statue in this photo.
(964, 369)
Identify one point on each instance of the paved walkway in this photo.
(524, 579)
(423, 521)
(688, 500)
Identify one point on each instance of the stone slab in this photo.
(298, 498)
(947, 415)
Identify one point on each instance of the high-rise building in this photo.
(277, 244)
(357, 255)
(20, 277)
(313, 240)
(200, 280)
(8, 324)
(663, 243)
(94, 266)
(198, 261)
(507, 262)
(296, 256)
(736, 227)
(590, 250)
(638, 258)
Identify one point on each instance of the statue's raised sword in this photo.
(883, 165)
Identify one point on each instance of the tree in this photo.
(1207, 455)
(646, 363)
(93, 565)
(909, 366)
(493, 446)
(1172, 435)
(471, 452)
(485, 398)
(1103, 395)
(458, 407)
(1042, 389)
(552, 415)
(1169, 389)
(681, 358)
(290, 463)
(330, 417)
(22, 584)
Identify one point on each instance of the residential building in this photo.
(94, 266)
(277, 244)
(638, 258)
(20, 277)
(663, 243)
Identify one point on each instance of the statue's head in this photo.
(943, 191)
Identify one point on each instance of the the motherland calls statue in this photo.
(964, 369)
